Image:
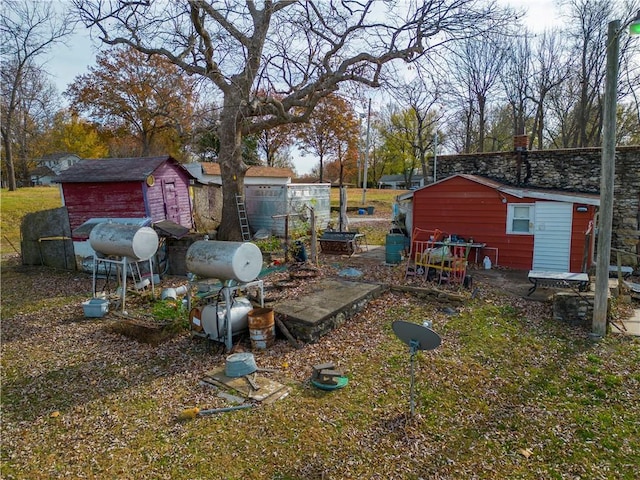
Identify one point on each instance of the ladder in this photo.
(242, 216)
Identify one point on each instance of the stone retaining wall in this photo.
(576, 310)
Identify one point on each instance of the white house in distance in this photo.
(399, 182)
(50, 166)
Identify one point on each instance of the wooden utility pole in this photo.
(607, 176)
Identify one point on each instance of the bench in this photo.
(541, 278)
(338, 243)
(625, 271)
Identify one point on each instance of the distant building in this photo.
(399, 182)
(209, 173)
(50, 166)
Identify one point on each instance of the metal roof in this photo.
(520, 192)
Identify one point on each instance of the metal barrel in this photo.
(262, 328)
(394, 247)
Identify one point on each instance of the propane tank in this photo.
(212, 318)
(240, 261)
(131, 241)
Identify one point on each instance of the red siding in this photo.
(95, 200)
(130, 199)
(470, 209)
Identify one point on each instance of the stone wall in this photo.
(576, 310)
(571, 169)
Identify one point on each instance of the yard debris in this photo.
(191, 413)
(525, 452)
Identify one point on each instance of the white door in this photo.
(552, 236)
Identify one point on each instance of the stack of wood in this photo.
(326, 374)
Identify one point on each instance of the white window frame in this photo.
(511, 217)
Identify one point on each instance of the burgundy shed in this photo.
(532, 229)
(152, 187)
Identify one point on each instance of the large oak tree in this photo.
(146, 96)
(300, 51)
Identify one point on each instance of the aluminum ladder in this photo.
(242, 216)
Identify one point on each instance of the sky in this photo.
(68, 61)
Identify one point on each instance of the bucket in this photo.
(394, 247)
(262, 329)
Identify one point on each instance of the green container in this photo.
(394, 247)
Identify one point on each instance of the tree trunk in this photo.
(232, 168)
(8, 160)
(481, 122)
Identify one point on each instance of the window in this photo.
(520, 218)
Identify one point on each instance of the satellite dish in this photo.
(417, 337)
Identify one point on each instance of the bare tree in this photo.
(28, 30)
(591, 17)
(421, 96)
(515, 80)
(550, 69)
(301, 51)
(476, 67)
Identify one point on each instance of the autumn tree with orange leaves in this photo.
(332, 135)
(146, 97)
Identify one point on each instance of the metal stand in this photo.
(122, 264)
(228, 290)
(413, 349)
(417, 337)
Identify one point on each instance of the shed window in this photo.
(520, 218)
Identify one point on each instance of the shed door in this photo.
(552, 236)
(171, 202)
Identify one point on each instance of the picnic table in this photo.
(558, 280)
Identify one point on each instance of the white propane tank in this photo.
(240, 261)
(213, 317)
(132, 241)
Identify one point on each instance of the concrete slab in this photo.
(327, 306)
(628, 326)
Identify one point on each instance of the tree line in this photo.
(253, 83)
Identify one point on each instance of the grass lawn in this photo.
(510, 394)
(14, 205)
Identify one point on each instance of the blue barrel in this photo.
(394, 247)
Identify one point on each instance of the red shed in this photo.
(152, 187)
(532, 229)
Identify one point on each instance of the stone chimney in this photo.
(520, 143)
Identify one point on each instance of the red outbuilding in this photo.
(523, 228)
(148, 187)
